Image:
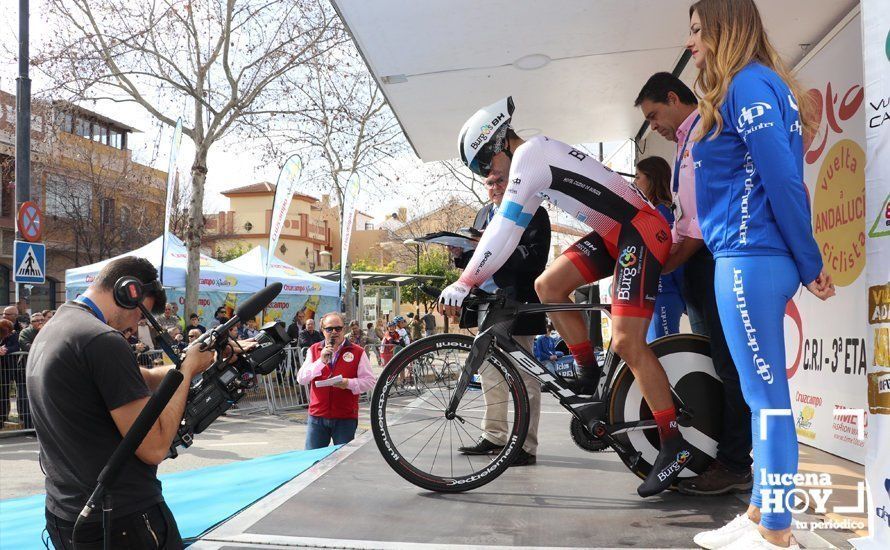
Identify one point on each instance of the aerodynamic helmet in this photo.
(484, 135)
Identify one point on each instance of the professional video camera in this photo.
(225, 382)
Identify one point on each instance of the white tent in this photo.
(215, 276)
(294, 281)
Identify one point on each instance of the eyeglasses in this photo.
(333, 329)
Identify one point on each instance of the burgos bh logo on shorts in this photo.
(628, 258)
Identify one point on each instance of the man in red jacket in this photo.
(333, 407)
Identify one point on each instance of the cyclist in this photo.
(629, 239)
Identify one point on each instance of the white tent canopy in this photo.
(215, 275)
(573, 67)
(294, 280)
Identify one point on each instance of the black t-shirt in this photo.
(78, 371)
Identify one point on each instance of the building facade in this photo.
(97, 202)
(309, 240)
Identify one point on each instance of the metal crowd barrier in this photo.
(274, 393)
(15, 414)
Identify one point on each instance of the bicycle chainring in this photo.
(584, 439)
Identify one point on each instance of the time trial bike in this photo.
(419, 431)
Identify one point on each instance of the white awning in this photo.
(438, 61)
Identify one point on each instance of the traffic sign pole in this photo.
(23, 121)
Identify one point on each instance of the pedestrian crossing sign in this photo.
(29, 263)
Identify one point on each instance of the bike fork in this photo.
(477, 355)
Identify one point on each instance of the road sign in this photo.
(30, 221)
(29, 263)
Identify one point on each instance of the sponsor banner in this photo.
(350, 199)
(826, 341)
(283, 308)
(284, 193)
(876, 61)
(172, 179)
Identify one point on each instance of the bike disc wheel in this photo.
(410, 426)
(686, 359)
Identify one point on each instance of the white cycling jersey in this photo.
(574, 181)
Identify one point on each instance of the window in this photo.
(369, 226)
(68, 199)
(44, 296)
(4, 285)
(107, 211)
(82, 128)
(115, 139)
(125, 216)
(100, 133)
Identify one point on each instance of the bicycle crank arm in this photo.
(476, 356)
(601, 430)
(625, 427)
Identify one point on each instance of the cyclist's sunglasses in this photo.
(333, 329)
(482, 163)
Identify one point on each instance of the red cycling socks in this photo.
(583, 354)
(667, 424)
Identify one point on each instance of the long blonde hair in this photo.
(733, 35)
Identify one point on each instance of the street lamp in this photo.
(330, 258)
(417, 271)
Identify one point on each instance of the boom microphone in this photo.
(247, 310)
(134, 437)
(255, 304)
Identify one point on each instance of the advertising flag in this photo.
(284, 193)
(350, 198)
(172, 177)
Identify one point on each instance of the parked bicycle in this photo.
(419, 431)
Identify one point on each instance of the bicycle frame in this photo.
(496, 328)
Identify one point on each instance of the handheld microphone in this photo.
(329, 341)
(137, 432)
(246, 310)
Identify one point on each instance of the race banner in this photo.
(172, 179)
(876, 61)
(350, 199)
(825, 341)
(284, 193)
(283, 308)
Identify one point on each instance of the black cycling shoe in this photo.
(588, 381)
(674, 455)
(482, 447)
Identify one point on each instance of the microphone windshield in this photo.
(253, 305)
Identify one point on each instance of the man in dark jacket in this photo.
(309, 335)
(517, 279)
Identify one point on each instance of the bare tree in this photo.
(223, 62)
(339, 116)
(98, 201)
(457, 179)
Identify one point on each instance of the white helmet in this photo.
(484, 135)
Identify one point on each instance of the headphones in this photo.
(130, 291)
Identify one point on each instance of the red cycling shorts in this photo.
(633, 254)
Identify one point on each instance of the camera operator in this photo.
(86, 391)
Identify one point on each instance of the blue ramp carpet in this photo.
(199, 498)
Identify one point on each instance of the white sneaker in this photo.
(753, 540)
(718, 538)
